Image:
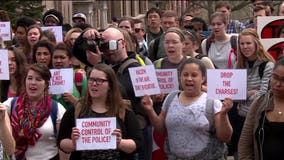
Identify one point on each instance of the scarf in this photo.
(26, 119)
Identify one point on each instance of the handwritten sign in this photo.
(57, 30)
(4, 66)
(5, 31)
(222, 83)
(144, 80)
(168, 80)
(60, 81)
(96, 133)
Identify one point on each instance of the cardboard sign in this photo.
(4, 65)
(222, 83)
(267, 26)
(60, 81)
(144, 80)
(96, 133)
(168, 80)
(5, 31)
(57, 30)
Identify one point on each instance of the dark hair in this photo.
(192, 34)
(55, 13)
(24, 22)
(202, 21)
(114, 98)
(42, 70)
(62, 46)
(82, 26)
(153, 10)
(279, 62)
(129, 19)
(259, 8)
(190, 61)
(43, 43)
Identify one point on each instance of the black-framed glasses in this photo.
(98, 81)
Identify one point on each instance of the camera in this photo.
(91, 45)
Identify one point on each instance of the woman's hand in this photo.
(147, 103)
(158, 98)
(75, 135)
(227, 105)
(69, 97)
(118, 134)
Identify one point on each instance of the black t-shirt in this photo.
(129, 127)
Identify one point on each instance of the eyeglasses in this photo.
(275, 78)
(137, 30)
(98, 81)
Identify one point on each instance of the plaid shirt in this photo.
(235, 26)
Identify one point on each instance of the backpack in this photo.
(233, 41)
(53, 112)
(215, 149)
(261, 68)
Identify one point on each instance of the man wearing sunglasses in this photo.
(140, 32)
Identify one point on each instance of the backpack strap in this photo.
(234, 43)
(125, 65)
(170, 98)
(156, 47)
(53, 115)
(261, 68)
(209, 113)
(207, 45)
(159, 63)
(200, 56)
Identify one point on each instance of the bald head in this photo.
(112, 34)
(114, 56)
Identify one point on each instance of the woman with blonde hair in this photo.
(259, 65)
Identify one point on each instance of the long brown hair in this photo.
(260, 52)
(114, 98)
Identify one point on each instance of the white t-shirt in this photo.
(188, 126)
(45, 147)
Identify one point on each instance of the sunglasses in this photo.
(137, 30)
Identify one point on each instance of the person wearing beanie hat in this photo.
(79, 18)
(52, 17)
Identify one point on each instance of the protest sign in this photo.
(60, 81)
(4, 65)
(222, 83)
(96, 133)
(5, 31)
(57, 30)
(144, 80)
(167, 79)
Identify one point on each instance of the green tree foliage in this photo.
(16, 8)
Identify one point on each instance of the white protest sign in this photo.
(96, 133)
(168, 80)
(144, 80)
(57, 30)
(222, 83)
(4, 66)
(5, 31)
(61, 81)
